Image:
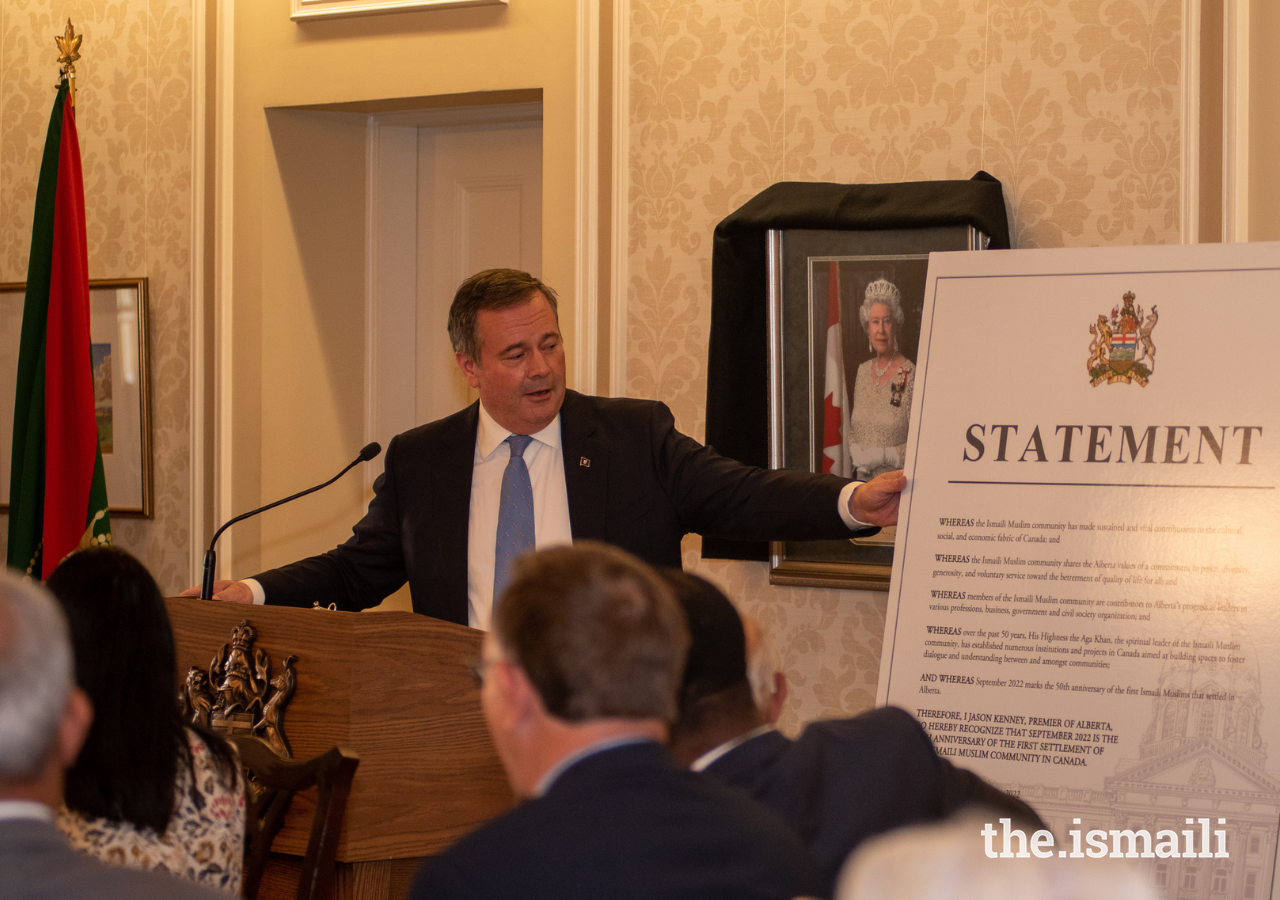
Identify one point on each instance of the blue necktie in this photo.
(515, 514)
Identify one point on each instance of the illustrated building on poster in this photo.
(1202, 756)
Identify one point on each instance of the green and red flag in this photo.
(57, 491)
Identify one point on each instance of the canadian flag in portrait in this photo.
(835, 455)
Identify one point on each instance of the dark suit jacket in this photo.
(625, 823)
(632, 480)
(36, 863)
(845, 780)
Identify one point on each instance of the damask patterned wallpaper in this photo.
(134, 118)
(1073, 104)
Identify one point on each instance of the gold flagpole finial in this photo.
(69, 44)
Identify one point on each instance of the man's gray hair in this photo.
(36, 675)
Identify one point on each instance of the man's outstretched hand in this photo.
(876, 502)
(232, 591)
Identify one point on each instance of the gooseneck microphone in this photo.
(206, 587)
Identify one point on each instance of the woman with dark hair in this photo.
(148, 791)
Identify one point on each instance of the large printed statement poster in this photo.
(1084, 604)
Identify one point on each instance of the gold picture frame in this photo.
(321, 10)
(119, 338)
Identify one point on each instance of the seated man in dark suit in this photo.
(44, 718)
(579, 680)
(842, 780)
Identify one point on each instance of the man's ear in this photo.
(77, 716)
(468, 367)
(520, 701)
(779, 697)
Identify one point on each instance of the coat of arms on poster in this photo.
(1122, 349)
(237, 695)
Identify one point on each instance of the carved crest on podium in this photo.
(238, 695)
(1122, 349)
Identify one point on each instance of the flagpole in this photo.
(57, 486)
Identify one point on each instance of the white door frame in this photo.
(620, 209)
(1235, 120)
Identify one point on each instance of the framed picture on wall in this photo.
(844, 325)
(305, 10)
(121, 388)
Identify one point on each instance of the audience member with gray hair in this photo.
(35, 679)
(43, 722)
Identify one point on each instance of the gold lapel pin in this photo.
(583, 461)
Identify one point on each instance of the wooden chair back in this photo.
(270, 783)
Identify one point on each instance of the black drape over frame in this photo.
(738, 358)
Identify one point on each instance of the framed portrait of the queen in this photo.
(844, 327)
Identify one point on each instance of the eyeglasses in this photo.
(477, 668)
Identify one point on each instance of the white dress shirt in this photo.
(545, 461)
(700, 764)
(544, 458)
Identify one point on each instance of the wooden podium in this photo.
(394, 687)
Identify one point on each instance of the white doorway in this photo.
(451, 191)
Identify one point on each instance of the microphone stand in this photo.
(210, 558)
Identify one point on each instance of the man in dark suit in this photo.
(843, 780)
(579, 679)
(580, 468)
(44, 718)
